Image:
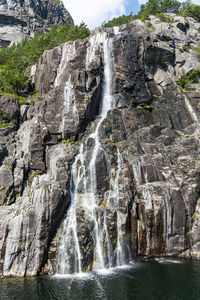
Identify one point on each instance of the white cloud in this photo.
(94, 12)
(142, 1)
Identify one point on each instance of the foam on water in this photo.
(167, 261)
(81, 276)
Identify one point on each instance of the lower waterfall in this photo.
(85, 199)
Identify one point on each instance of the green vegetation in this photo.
(197, 49)
(165, 18)
(156, 7)
(15, 60)
(194, 215)
(3, 115)
(58, 2)
(12, 95)
(179, 137)
(189, 78)
(121, 20)
(190, 10)
(149, 25)
(68, 141)
(8, 166)
(24, 102)
(186, 48)
(157, 96)
(5, 125)
(6, 203)
(159, 8)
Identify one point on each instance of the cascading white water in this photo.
(191, 110)
(83, 186)
(120, 251)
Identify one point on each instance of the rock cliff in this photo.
(149, 155)
(21, 19)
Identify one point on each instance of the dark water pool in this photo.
(158, 279)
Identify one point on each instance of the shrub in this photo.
(120, 20)
(197, 49)
(189, 78)
(190, 10)
(186, 48)
(5, 125)
(165, 18)
(3, 115)
(149, 25)
(153, 7)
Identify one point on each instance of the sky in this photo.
(95, 12)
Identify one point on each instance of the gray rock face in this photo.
(154, 126)
(21, 19)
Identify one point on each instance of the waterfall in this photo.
(191, 110)
(120, 252)
(84, 195)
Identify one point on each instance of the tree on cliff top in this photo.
(159, 8)
(190, 10)
(155, 7)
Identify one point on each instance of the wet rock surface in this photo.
(154, 126)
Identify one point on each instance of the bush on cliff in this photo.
(189, 78)
(157, 7)
(197, 50)
(190, 10)
(120, 20)
(15, 60)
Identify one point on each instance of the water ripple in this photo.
(150, 280)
